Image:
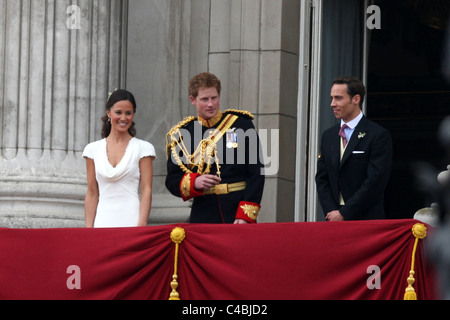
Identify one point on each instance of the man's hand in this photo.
(334, 215)
(240, 221)
(206, 181)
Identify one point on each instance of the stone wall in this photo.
(251, 45)
(53, 87)
(56, 72)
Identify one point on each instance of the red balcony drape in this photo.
(265, 261)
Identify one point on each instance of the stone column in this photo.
(253, 48)
(58, 60)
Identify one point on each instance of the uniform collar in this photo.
(211, 122)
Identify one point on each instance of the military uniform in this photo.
(222, 146)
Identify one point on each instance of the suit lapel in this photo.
(354, 140)
(335, 147)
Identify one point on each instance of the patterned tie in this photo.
(342, 134)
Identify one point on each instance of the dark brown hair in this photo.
(354, 87)
(116, 96)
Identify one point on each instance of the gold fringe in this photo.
(177, 235)
(241, 112)
(419, 231)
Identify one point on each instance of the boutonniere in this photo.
(361, 135)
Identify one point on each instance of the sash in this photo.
(215, 136)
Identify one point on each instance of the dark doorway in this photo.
(408, 94)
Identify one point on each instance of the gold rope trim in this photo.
(173, 130)
(177, 235)
(206, 149)
(419, 231)
(242, 112)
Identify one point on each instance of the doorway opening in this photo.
(407, 93)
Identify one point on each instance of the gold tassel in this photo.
(177, 235)
(419, 231)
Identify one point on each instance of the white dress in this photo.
(118, 204)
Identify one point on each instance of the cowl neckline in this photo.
(122, 167)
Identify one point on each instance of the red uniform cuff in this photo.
(248, 211)
(187, 190)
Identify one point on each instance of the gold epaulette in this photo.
(241, 113)
(176, 127)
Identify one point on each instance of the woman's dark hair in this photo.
(116, 96)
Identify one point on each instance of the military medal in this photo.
(232, 139)
(229, 140)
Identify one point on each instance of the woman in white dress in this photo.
(116, 166)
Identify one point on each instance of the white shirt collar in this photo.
(353, 123)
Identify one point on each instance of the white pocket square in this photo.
(358, 152)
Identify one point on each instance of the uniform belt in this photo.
(226, 188)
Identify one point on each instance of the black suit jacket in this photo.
(361, 176)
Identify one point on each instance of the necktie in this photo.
(342, 134)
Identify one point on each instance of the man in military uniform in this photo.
(214, 158)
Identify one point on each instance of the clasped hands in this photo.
(334, 215)
(207, 181)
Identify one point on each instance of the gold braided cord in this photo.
(243, 112)
(174, 130)
(205, 154)
(177, 235)
(216, 160)
(178, 160)
(419, 231)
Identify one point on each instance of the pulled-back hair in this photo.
(116, 96)
(203, 80)
(354, 87)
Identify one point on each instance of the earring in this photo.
(109, 119)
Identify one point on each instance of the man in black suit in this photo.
(354, 166)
